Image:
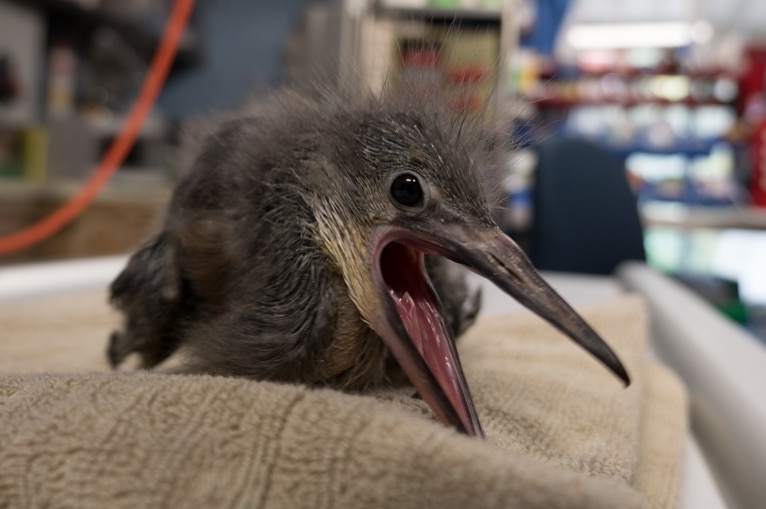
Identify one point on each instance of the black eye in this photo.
(406, 190)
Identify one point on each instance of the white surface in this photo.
(699, 490)
(724, 368)
(38, 279)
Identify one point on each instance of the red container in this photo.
(758, 177)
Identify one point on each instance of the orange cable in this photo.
(113, 158)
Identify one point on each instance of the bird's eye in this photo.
(406, 190)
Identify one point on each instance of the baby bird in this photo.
(295, 250)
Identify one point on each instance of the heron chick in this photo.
(294, 251)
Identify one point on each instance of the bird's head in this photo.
(404, 184)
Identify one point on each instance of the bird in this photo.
(314, 240)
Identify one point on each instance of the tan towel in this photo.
(561, 431)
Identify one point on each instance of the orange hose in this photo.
(115, 155)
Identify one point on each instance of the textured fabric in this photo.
(562, 432)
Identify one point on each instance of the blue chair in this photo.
(585, 214)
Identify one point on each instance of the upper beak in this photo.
(492, 254)
(414, 327)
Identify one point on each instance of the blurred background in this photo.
(639, 126)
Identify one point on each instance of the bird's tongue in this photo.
(422, 322)
(434, 358)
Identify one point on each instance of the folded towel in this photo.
(561, 431)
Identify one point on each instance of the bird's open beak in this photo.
(413, 325)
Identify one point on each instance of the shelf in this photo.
(437, 14)
(635, 88)
(679, 215)
(698, 148)
(15, 190)
(627, 73)
(117, 221)
(566, 103)
(140, 37)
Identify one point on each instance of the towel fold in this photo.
(562, 432)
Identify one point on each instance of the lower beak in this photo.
(414, 327)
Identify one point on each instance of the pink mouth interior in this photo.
(404, 274)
